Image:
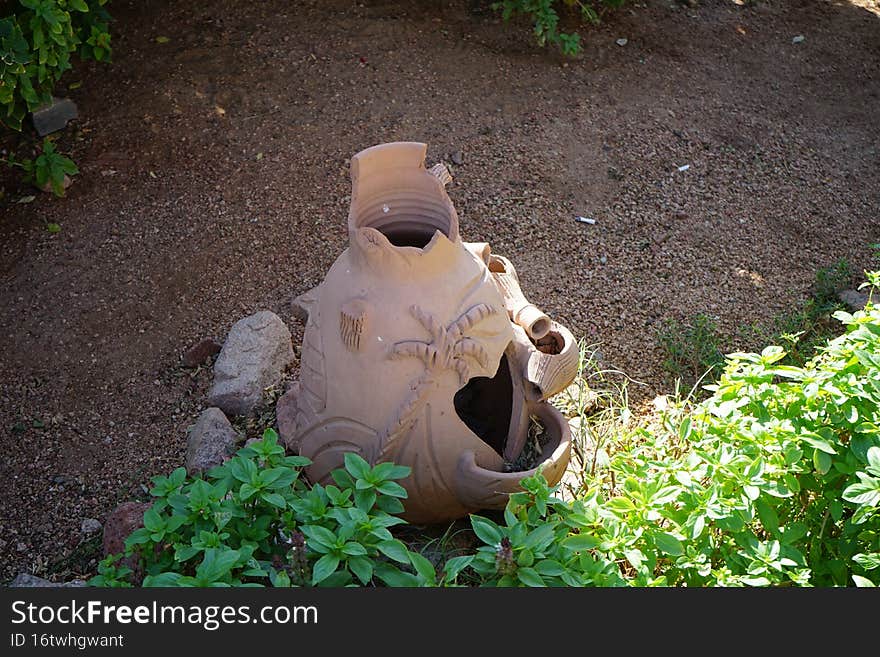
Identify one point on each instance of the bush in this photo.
(772, 481)
(546, 18)
(36, 42)
(253, 522)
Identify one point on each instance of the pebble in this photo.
(90, 526)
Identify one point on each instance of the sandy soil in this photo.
(214, 183)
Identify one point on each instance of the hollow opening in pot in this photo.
(552, 344)
(407, 219)
(485, 405)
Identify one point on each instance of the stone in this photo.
(90, 526)
(456, 157)
(121, 522)
(54, 116)
(28, 581)
(854, 299)
(200, 352)
(254, 357)
(211, 441)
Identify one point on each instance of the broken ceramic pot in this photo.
(421, 349)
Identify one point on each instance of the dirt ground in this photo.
(214, 183)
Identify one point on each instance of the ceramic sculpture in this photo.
(421, 349)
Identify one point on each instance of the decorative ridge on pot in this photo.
(421, 349)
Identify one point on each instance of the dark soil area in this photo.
(214, 183)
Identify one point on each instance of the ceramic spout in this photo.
(521, 311)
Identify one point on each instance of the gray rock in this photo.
(854, 299)
(28, 581)
(90, 526)
(456, 157)
(54, 116)
(256, 353)
(211, 440)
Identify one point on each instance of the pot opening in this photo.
(407, 219)
(552, 344)
(485, 406)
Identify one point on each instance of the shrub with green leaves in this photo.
(772, 481)
(36, 43)
(690, 349)
(48, 169)
(252, 521)
(546, 18)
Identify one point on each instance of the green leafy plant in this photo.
(807, 328)
(36, 43)
(774, 480)
(546, 18)
(48, 169)
(252, 522)
(829, 281)
(691, 351)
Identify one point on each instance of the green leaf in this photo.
(621, 504)
(365, 499)
(279, 579)
(53, 228)
(423, 567)
(540, 537)
(580, 542)
(152, 520)
(324, 567)
(356, 465)
(386, 470)
(868, 561)
(821, 461)
(668, 543)
(455, 565)
(863, 582)
(873, 456)
(162, 39)
(216, 564)
(392, 489)
(274, 499)
(486, 530)
(394, 549)
(354, 549)
(863, 493)
(395, 577)
(530, 577)
(320, 535)
(549, 567)
(362, 568)
(815, 440)
(767, 514)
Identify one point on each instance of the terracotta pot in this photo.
(422, 350)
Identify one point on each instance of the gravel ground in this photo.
(214, 183)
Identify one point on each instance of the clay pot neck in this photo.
(395, 196)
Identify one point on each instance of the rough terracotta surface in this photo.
(210, 441)
(255, 354)
(418, 349)
(121, 522)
